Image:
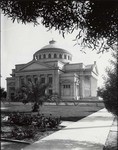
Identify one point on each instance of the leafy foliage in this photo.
(38, 120)
(3, 93)
(22, 133)
(28, 125)
(96, 19)
(33, 92)
(110, 92)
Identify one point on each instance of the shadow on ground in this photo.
(63, 145)
(12, 146)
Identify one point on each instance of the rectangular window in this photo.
(50, 91)
(29, 80)
(22, 81)
(35, 80)
(50, 80)
(43, 80)
(66, 86)
(12, 92)
(12, 96)
(65, 56)
(66, 90)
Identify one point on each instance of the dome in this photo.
(51, 52)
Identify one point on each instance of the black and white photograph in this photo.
(59, 83)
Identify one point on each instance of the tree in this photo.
(32, 92)
(3, 94)
(96, 20)
(109, 92)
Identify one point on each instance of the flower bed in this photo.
(28, 127)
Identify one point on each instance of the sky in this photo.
(19, 42)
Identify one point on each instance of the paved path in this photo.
(111, 142)
(89, 133)
(66, 123)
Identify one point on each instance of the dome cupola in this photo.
(52, 52)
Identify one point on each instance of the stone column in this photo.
(81, 87)
(56, 82)
(38, 76)
(32, 79)
(17, 81)
(46, 78)
(46, 81)
(90, 87)
(25, 79)
(53, 83)
(75, 90)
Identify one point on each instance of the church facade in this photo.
(52, 64)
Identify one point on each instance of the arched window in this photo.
(55, 55)
(60, 55)
(39, 56)
(68, 57)
(65, 56)
(49, 55)
(44, 56)
(36, 57)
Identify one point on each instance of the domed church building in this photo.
(52, 64)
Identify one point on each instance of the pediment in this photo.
(34, 66)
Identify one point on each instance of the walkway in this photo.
(89, 133)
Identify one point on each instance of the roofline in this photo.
(46, 49)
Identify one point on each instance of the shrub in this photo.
(109, 92)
